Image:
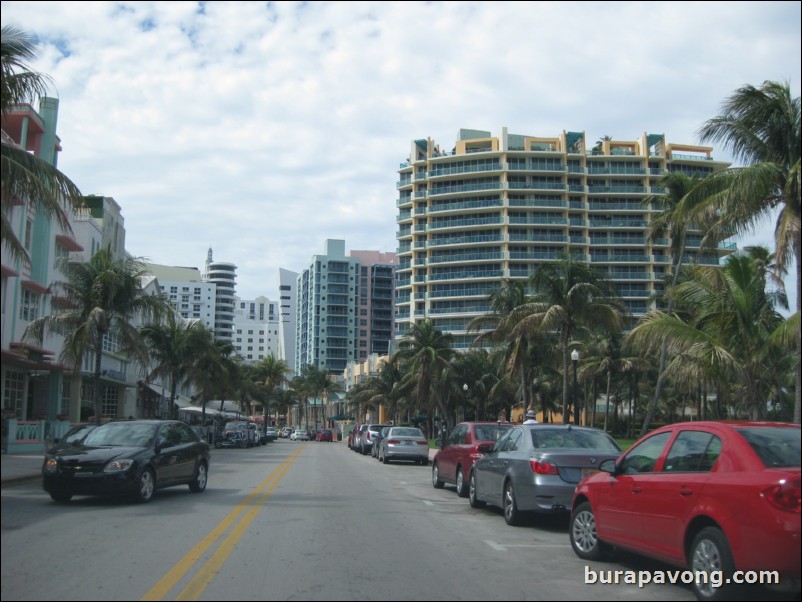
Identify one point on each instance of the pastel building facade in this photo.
(495, 207)
(256, 329)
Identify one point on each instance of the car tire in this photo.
(385, 459)
(198, 484)
(512, 516)
(472, 499)
(60, 496)
(436, 482)
(146, 486)
(424, 462)
(462, 486)
(710, 551)
(582, 533)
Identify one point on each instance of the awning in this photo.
(34, 286)
(68, 243)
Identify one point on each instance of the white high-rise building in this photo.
(256, 329)
(288, 302)
(224, 276)
(187, 292)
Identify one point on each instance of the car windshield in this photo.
(564, 438)
(406, 432)
(776, 447)
(491, 432)
(121, 434)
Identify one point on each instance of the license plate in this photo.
(587, 472)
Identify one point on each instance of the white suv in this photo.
(299, 435)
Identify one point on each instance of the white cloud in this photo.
(265, 128)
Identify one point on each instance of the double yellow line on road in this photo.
(204, 576)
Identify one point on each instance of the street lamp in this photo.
(464, 400)
(575, 359)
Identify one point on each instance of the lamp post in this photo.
(464, 400)
(575, 359)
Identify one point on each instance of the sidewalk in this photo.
(20, 467)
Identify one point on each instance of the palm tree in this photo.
(726, 332)
(273, 372)
(174, 344)
(567, 295)
(25, 176)
(679, 198)
(215, 370)
(761, 126)
(427, 353)
(106, 297)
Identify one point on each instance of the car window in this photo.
(185, 434)
(490, 432)
(693, 451)
(168, 435)
(776, 447)
(499, 445)
(407, 432)
(643, 456)
(513, 441)
(563, 438)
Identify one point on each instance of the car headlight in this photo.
(51, 465)
(118, 466)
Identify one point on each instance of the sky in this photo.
(261, 129)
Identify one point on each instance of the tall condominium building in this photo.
(256, 329)
(288, 302)
(376, 302)
(187, 292)
(495, 207)
(224, 276)
(326, 317)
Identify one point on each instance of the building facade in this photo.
(288, 304)
(495, 207)
(376, 302)
(190, 296)
(256, 329)
(224, 276)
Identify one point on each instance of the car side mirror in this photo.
(608, 466)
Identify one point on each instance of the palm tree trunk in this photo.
(96, 402)
(607, 399)
(565, 337)
(797, 398)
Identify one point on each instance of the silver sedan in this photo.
(404, 443)
(536, 468)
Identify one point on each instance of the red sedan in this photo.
(715, 497)
(324, 435)
(452, 464)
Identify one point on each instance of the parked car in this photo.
(325, 435)
(453, 462)
(270, 434)
(366, 436)
(404, 443)
(299, 435)
(710, 496)
(535, 468)
(241, 432)
(74, 436)
(286, 432)
(374, 449)
(134, 457)
(353, 437)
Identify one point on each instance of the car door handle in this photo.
(636, 489)
(686, 492)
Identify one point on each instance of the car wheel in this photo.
(60, 496)
(710, 553)
(145, 487)
(198, 484)
(511, 513)
(217, 445)
(472, 499)
(424, 462)
(582, 533)
(385, 459)
(462, 486)
(436, 482)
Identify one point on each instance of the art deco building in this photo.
(495, 207)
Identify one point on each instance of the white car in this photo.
(299, 435)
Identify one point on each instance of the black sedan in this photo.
(535, 468)
(134, 457)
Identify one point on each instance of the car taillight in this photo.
(422, 442)
(540, 467)
(785, 495)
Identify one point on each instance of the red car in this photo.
(715, 497)
(352, 436)
(452, 464)
(324, 435)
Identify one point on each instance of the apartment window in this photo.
(65, 397)
(174, 290)
(28, 240)
(14, 391)
(29, 306)
(62, 256)
(111, 396)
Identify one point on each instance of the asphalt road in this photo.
(295, 521)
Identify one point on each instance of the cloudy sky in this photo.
(263, 128)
